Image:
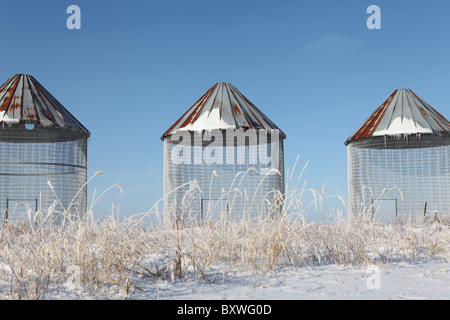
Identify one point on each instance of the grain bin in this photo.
(43, 153)
(399, 159)
(232, 151)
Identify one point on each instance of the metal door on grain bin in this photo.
(17, 209)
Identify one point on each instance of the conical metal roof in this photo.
(403, 113)
(23, 100)
(222, 107)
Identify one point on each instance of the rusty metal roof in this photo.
(222, 107)
(23, 100)
(403, 113)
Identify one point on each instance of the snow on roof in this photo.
(403, 113)
(222, 107)
(23, 100)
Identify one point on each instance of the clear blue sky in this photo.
(136, 66)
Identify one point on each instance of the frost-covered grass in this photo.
(97, 259)
(111, 258)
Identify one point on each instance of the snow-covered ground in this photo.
(418, 280)
(46, 263)
(423, 280)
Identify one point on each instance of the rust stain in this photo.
(423, 112)
(241, 96)
(440, 116)
(236, 109)
(226, 99)
(202, 100)
(14, 106)
(9, 95)
(194, 115)
(43, 108)
(30, 100)
(30, 116)
(429, 114)
(372, 123)
(5, 103)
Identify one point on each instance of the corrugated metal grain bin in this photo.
(42, 147)
(234, 153)
(399, 159)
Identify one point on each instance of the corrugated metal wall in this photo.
(408, 174)
(27, 167)
(228, 190)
